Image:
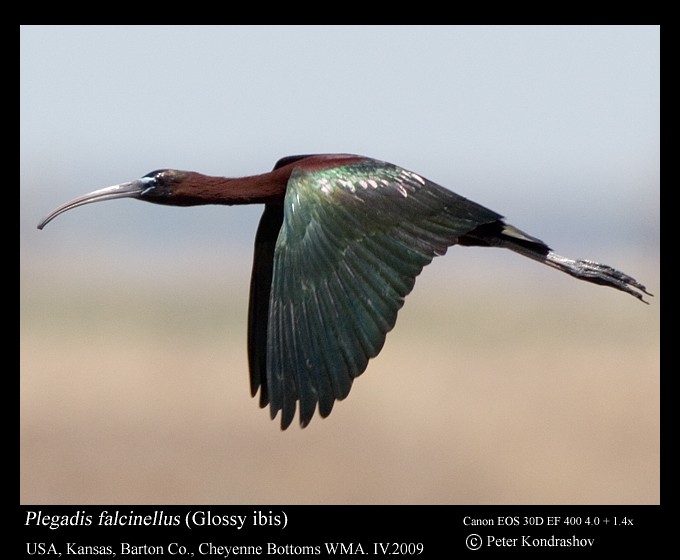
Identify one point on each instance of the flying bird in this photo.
(338, 247)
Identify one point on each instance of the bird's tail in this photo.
(500, 234)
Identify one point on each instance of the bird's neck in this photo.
(195, 189)
(192, 188)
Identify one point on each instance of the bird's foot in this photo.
(598, 273)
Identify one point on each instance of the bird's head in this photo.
(158, 186)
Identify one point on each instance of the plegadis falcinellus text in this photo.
(339, 245)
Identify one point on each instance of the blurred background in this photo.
(503, 381)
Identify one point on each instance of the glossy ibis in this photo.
(339, 245)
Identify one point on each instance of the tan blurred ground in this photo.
(487, 392)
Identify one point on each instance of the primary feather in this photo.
(353, 239)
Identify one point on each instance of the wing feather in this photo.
(352, 241)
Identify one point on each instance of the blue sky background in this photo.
(557, 128)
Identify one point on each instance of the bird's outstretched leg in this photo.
(500, 234)
(592, 271)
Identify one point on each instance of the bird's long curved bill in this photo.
(133, 189)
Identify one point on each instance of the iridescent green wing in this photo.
(352, 241)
